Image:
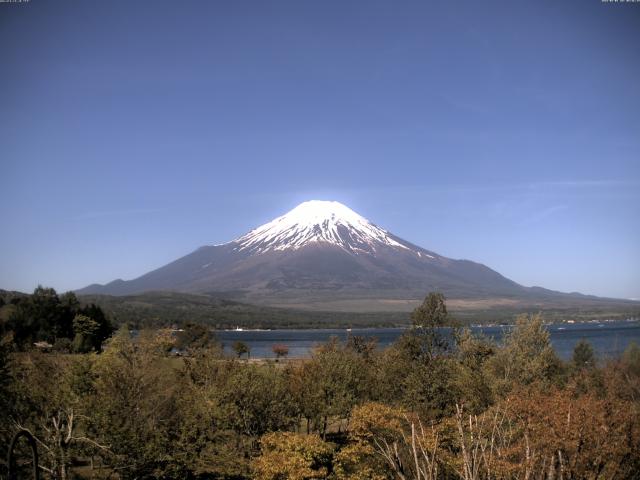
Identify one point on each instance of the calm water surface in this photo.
(608, 339)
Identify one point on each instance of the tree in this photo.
(54, 399)
(556, 434)
(86, 330)
(52, 319)
(241, 348)
(623, 375)
(424, 340)
(292, 456)
(326, 387)
(418, 370)
(362, 346)
(470, 377)
(40, 317)
(583, 355)
(431, 389)
(7, 400)
(105, 327)
(280, 350)
(135, 406)
(46, 316)
(432, 313)
(526, 357)
(631, 359)
(401, 445)
(255, 399)
(195, 337)
(209, 442)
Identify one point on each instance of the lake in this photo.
(608, 339)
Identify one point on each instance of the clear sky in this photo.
(133, 132)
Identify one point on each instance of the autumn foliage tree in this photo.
(292, 456)
(280, 350)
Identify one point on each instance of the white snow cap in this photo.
(318, 221)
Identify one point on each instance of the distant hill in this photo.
(324, 256)
(161, 309)
(153, 309)
(168, 308)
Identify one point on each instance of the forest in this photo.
(121, 406)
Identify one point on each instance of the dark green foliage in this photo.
(256, 400)
(430, 390)
(432, 313)
(105, 327)
(527, 356)
(418, 371)
(195, 337)
(473, 350)
(135, 405)
(240, 348)
(330, 384)
(6, 394)
(425, 341)
(362, 345)
(41, 317)
(45, 316)
(86, 331)
(472, 382)
(583, 355)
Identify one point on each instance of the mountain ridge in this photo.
(322, 252)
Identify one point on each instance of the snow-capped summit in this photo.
(318, 221)
(322, 254)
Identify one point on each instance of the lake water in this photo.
(608, 339)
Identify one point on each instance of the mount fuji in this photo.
(323, 255)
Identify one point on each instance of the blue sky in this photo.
(503, 132)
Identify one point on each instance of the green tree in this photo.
(241, 348)
(135, 409)
(46, 316)
(527, 356)
(7, 400)
(363, 346)
(40, 317)
(583, 355)
(255, 399)
(431, 390)
(418, 371)
(195, 337)
(105, 327)
(86, 330)
(470, 377)
(326, 387)
(424, 340)
(432, 313)
(53, 401)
